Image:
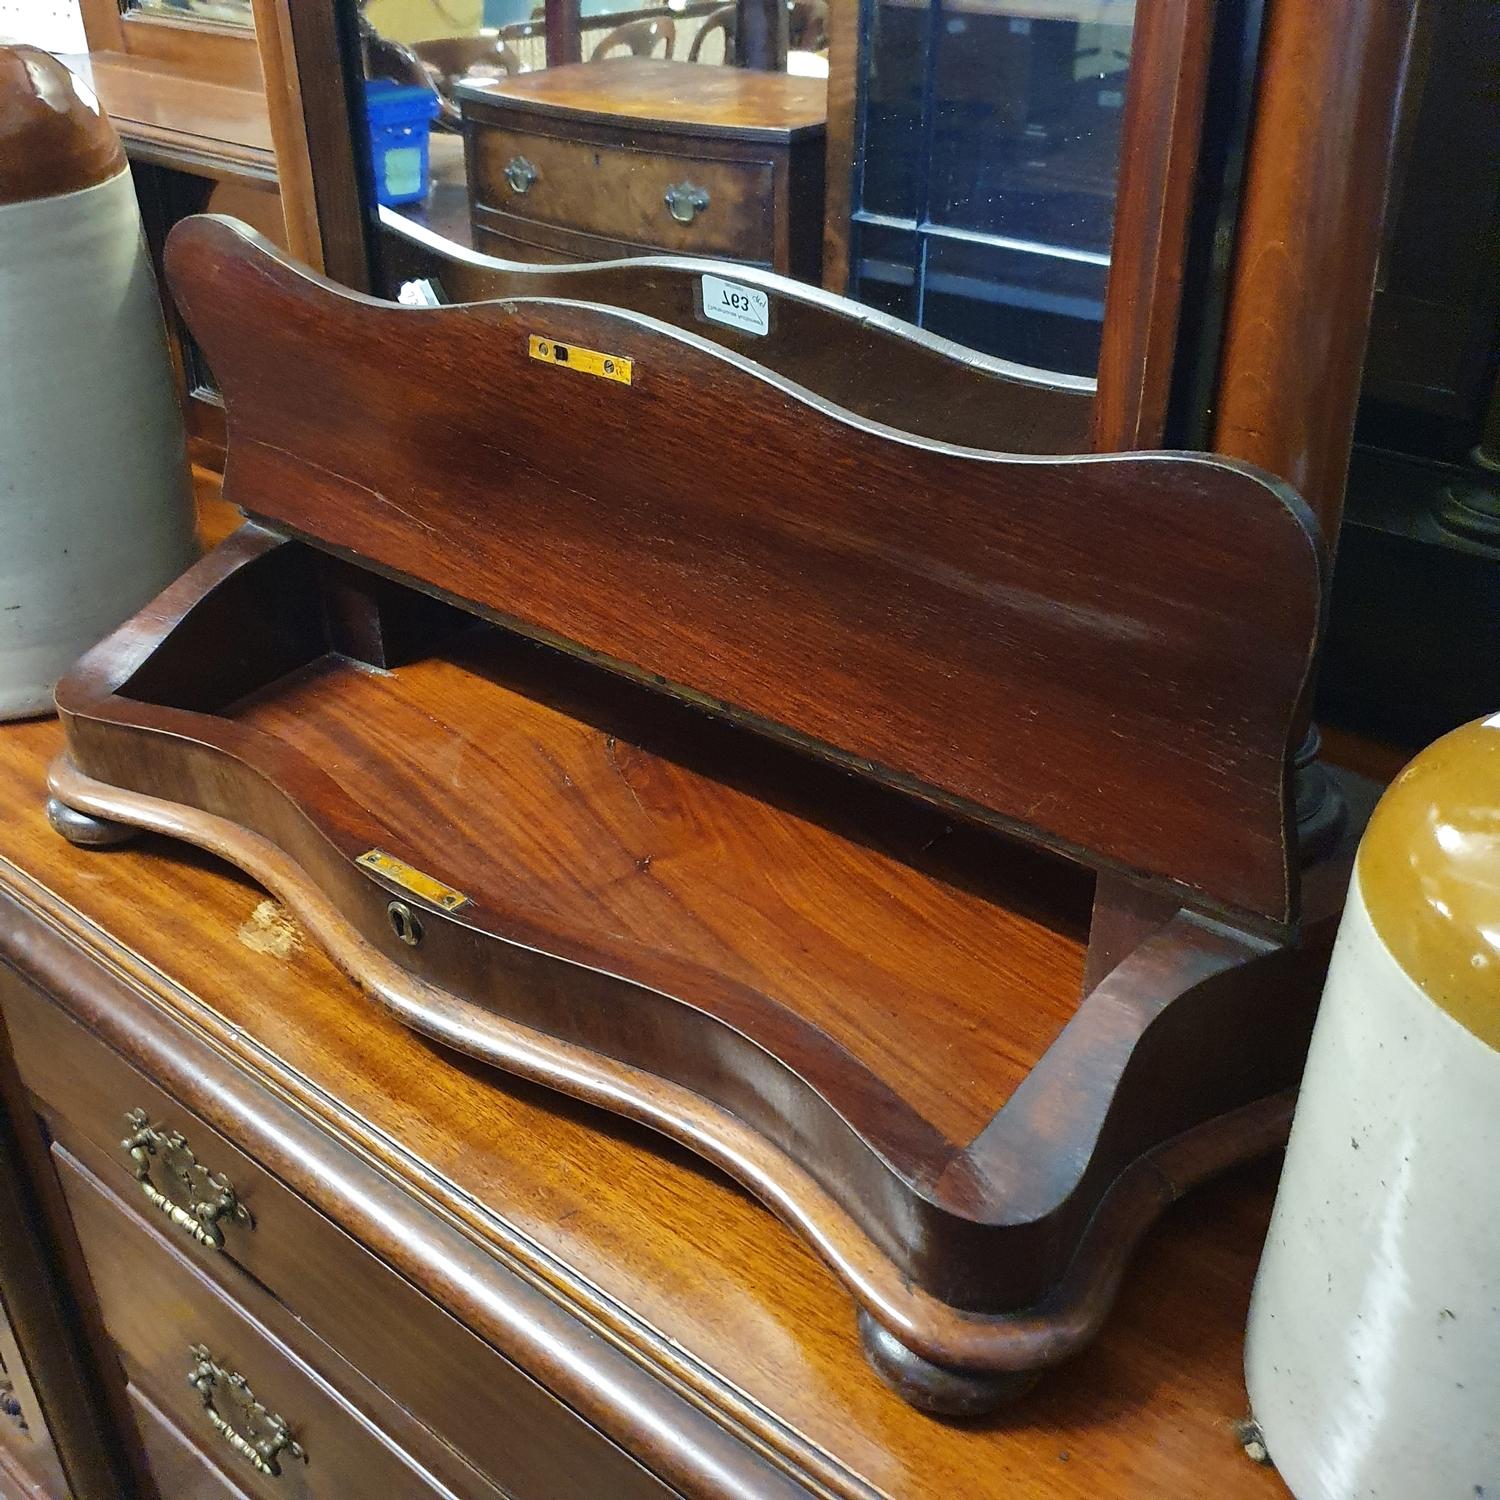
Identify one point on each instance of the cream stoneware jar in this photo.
(95, 506)
(1373, 1354)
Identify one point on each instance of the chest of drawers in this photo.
(593, 161)
(446, 1285)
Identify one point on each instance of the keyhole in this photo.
(405, 923)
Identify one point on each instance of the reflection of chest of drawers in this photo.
(598, 160)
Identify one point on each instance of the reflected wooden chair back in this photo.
(723, 23)
(444, 60)
(640, 38)
(449, 58)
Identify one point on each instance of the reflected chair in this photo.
(638, 38)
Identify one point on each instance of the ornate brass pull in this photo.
(207, 1200)
(259, 1436)
(520, 174)
(684, 201)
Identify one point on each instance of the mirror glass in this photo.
(986, 171)
(952, 163)
(229, 12)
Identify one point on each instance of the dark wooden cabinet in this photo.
(593, 161)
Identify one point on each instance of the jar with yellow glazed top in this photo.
(1373, 1355)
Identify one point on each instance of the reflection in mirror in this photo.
(609, 128)
(229, 12)
(863, 361)
(987, 162)
(980, 141)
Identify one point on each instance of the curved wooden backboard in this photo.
(857, 357)
(1103, 654)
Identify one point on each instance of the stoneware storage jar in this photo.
(95, 507)
(1373, 1357)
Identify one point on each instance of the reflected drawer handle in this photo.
(211, 1201)
(684, 201)
(259, 1436)
(520, 174)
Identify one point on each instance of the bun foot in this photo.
(936, 1388)
(85, 830)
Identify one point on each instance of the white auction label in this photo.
(739, 306)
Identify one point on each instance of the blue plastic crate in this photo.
(400, 116)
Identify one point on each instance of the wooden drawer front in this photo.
(445, 1377)
(180, 1469)
(157, 1307)
(620, 193)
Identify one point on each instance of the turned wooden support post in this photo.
(1313, 212)
(1311, 219)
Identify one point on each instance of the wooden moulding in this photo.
(798, 776)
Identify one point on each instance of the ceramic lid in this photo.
(1429, 871)
(54, 137)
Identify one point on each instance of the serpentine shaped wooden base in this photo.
(941, 1359)
(864, 1011)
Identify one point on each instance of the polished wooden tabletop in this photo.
(630, 1224)
(649, 1243)
(667, 94)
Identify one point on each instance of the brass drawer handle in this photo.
(259, 1436)
(210, 1201)
(685, 202)
(520, 174)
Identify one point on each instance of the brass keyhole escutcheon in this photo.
(405, 923)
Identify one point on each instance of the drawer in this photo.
(619, 192)
(449, 1380)
(170, 1325)
(181, 1471)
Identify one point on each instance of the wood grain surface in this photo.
(667, 95)
(924, 974)
(447, 1380)
(959, 625)
(685, 1279)
(164, 116)
(157, 1306)
(1159, 163)
(605, 188)
(1309, 239)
